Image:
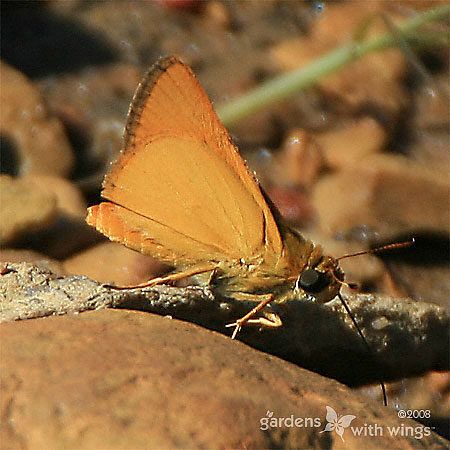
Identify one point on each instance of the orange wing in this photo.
(180, 190)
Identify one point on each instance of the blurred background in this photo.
(358, 160)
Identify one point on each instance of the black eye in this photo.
(312, 281)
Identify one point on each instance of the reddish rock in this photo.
(181, 5)
(152, 382)
(293, 204)
(386, 195)
(37, 138)
(109, 262)
(25, 208)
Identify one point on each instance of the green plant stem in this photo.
(284, 86)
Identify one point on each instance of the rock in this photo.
(390, 286)
(427, 395)
(294, 204)
(299, 161)
(29, 256)
(385, 195)
(96, 114)
(29, 291)
(217, 13)
(30, 214)
(109, 262)
(46, 213)
(158, 383)
(70, 200)
(67, 235)
(260, 129)
(423, 281)
(430, 148)
(430, 127)
(37, 140)
(351, 142)
(428, 392)
(320, 337)
(25, 208)
(181, 5)
(432, 109)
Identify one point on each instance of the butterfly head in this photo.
(321, 279)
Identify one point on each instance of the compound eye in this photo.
(312, 281)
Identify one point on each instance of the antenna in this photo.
(380, 249)
(369, 349)
(353, 286)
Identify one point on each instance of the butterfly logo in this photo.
(336, 423)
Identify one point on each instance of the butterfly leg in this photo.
(270, 319)
(195, 270)
(213, 276)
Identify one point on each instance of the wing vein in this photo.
(219, 250)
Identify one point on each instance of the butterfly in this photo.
(180, 192)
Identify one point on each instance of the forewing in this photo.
(179, 169)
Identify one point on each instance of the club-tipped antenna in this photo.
(380, 249)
